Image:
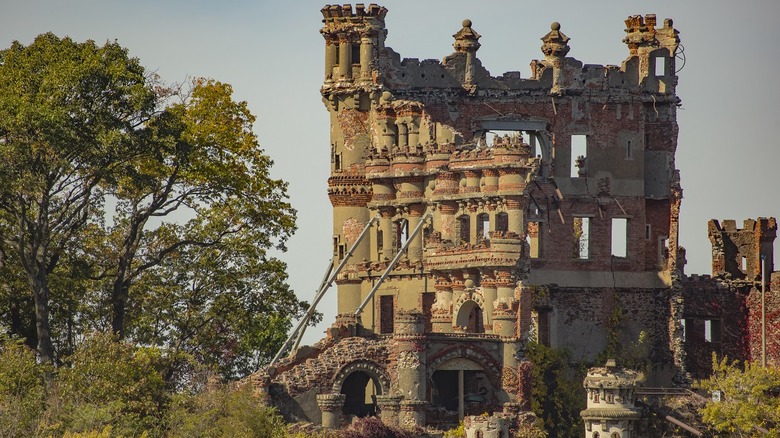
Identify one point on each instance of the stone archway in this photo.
(470, 316)
(360, 382)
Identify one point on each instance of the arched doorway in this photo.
(360, 390)
(470, 316)
(461, 387)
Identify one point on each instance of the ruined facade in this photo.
(500, 210)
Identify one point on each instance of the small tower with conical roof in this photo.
(611, 411)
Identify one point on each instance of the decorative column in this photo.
(345, 58)
(458, 288)
(330, 405)
(389, 406)
(446, 215)
(441, 318)
(330, 58)
(514, 212)
(555, 47)
(467, 41)
(411, 372)
(386, 225)
(415, 245)
(366, 53)
(489, 293)
(504, 315)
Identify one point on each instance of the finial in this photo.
(555, 43)
(467, 39)
(467, 23)
(555, 25)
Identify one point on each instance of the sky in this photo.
(273, 55)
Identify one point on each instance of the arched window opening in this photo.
(502, 222)
(470, 316)
(483, 226)
(464, 229)
(360, 390)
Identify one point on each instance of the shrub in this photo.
(372, 427)
(22, 389)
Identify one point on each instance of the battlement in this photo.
(332, 12)
(738, 252)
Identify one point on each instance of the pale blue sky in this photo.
(272, 53)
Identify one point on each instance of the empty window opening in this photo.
(502, 138)
(579, 155)
(648, 231)
(742, 263)
(449, 384)
(356, 53)
(470, 317)
(337, 162)
(338, 55)
(483, 226)
(581, 237)
(464, 229)
(502, 222)
(360, 391)
(663, 250)
(629, 151)
(660, 65)
(620, 237)
(342, 250)
(684, 332)
(712, 330)
(532, 237)
(401, 233)
(386, 314)
(335, 245)
(544, 326)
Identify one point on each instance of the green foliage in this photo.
(224, 412)
(181, 259)
(750, 396)
(557, 395)
(458, 432)
(109, 383)
(22, 390)
(67, 114)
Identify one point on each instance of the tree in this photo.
(750, 397)
(67, 114)
(125, 196)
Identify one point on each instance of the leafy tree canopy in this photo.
(137, 207)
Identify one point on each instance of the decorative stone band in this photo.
(413, 405)
(330, 402)
(610, 414)
(389, 402)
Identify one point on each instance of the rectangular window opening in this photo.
(629, 151)
(502, 138)
(335, 245)
(464, 225)
(684, 333)
(338, 50)
(619, 237)
(402, 232)
(660, 66)
(544, 326)
(708, 330)
(648, 231)
(502, 222)
(533, 238)
(337, 162)
(581, 237)
(356, 54)
(483, 226)
(579, 155)
(342, 250)
(742, 263)
(428, 298)
(386, 314)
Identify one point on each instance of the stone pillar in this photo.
(415, 245)
(491, 180)
(330, 405)
(330, 59)
(366, 53)
(414, 135)
(345, 59)
(386, 225)
(489, 293)
(514, 212)
(441, 318)
(447, 212)
(467, 41)
(389, 406)
(458, 288)
(411, 372)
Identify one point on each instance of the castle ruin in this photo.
(475, 213)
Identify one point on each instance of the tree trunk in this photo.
(41, 296)
(119, 303)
